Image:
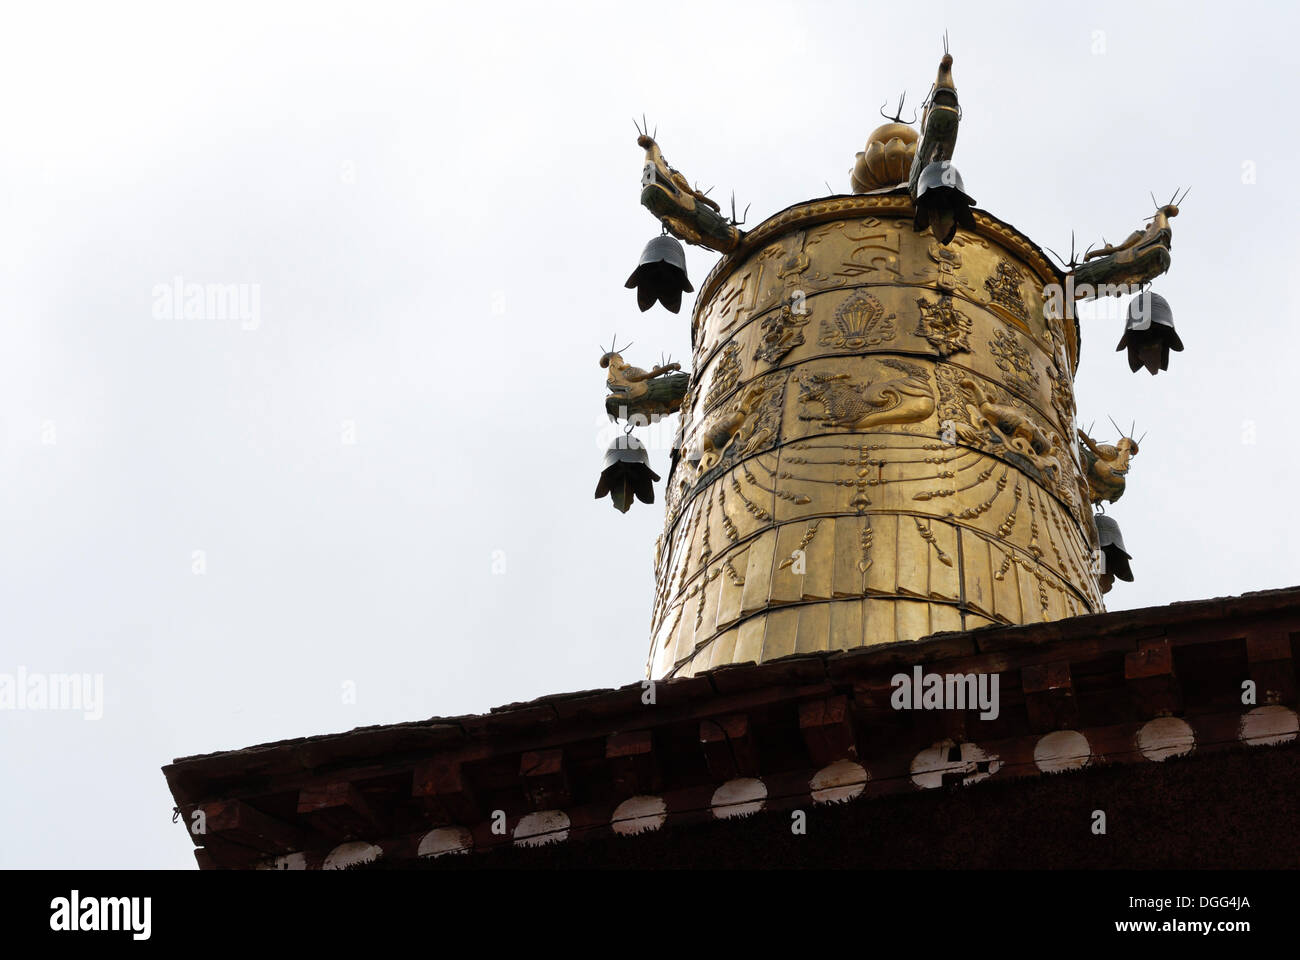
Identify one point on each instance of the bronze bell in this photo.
(941, 201)
(626, 473)
(661, 275)
(1114, 557)
(1149, 333)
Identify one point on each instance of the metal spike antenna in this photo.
(734, 221)
(1073, 263)
(643, 127)
(898, 111)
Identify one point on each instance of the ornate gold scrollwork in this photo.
(726, 376)
(1014, 361)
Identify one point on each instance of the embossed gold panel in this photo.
(877, 444)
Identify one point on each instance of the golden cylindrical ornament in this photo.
(877, 444)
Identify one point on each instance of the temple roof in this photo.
(1131, 687)
(736, 677)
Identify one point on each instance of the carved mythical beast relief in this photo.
(751, 422)
(984, 416)
(859, 406)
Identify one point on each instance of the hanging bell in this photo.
(1114, 557)
(1149, 333)
(661, 275)
(941, 201)
(626, 473)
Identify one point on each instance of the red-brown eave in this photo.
(1128, 646)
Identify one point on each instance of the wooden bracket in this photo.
(1049, 696)
(544, 778)
(338, 810)
(729, 746)
(1272, 667)
(827, 728)
(631, 761)
(1149, 671)
(448, 795)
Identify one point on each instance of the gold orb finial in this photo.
(886, 161)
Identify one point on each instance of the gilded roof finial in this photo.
(883, 165)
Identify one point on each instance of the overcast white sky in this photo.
(438, 207)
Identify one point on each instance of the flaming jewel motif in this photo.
(859, 322)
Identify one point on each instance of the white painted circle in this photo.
(639, 815)
(1265, 726)
(739, 798)
(444, 840)
(346, 854)
(931, 764)
(1062, 750)
(290, 861)
(840, 781)
(547, 826)
(1165, 737)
